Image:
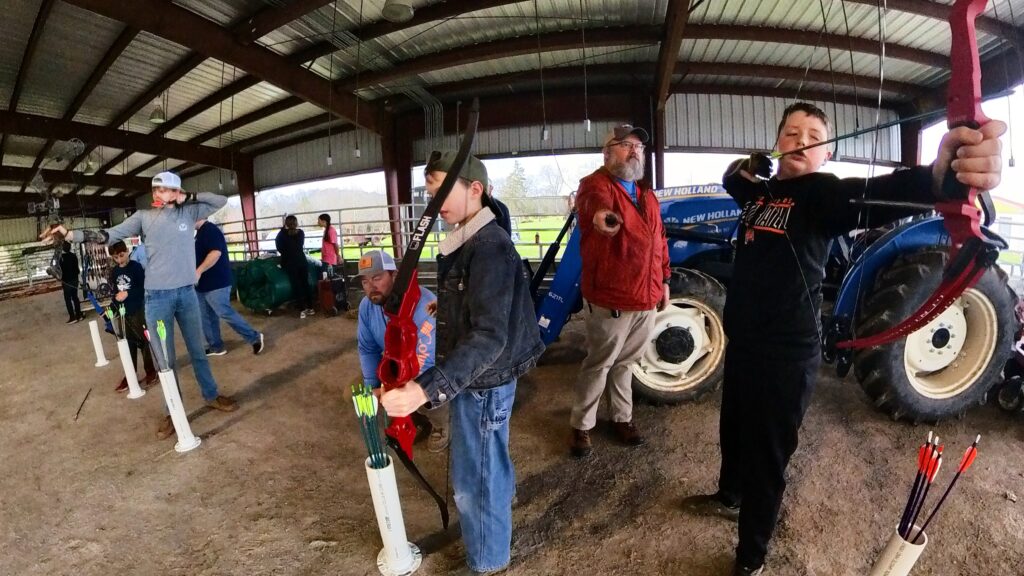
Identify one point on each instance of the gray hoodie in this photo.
(168, 235)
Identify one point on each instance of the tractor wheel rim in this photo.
(947, 356)
(660, 375)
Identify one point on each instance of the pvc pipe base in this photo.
(899, 556)
(134, 390)
(182, 448)
(97, 346)
(186, 440)
(385, 570)
(398, 557)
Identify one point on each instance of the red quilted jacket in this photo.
(626, 271)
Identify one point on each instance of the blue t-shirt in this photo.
(130, 278)
(630, 187)
(209, 238)
(370, 335)
(139, 255)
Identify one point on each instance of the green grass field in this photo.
(547, 227)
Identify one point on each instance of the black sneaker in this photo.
(212, 352)
(72, 321)
(257, 347)
(711, 505)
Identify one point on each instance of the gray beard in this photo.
(630, 170)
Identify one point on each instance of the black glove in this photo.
(757, 164)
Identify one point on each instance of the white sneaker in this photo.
(309, 312)
(302, 314)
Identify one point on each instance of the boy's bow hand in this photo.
(974, 155)
(403, 400)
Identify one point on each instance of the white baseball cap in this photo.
(167, 180)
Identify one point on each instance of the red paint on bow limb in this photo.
(971, 250)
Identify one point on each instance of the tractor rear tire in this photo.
(945, 368)
(685, 355)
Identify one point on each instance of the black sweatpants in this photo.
(764, 399)
(71, 301)
(299, 279)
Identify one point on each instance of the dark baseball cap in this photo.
(474, 170)
(620, 132)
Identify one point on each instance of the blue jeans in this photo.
(183, 305)
(482, 474)
(215, 306)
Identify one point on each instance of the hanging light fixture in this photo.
(157, 116)
(397, 11)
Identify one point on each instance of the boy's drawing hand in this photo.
(975, 156)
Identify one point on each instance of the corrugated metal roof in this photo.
(147, 59)
(74, 40)
(15, 27)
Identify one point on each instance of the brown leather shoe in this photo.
(166, 428)
(580, 445)
(151, 378)
(223, 403)
(628, 434)
(122, 386)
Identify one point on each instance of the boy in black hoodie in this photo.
(487, 338)
(772, 309)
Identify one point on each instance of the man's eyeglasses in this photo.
(626, 145)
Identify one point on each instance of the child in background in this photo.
(129, 279)
(328, 244)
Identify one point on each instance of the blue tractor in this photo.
(874, 278)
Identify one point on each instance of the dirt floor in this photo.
(279, 488)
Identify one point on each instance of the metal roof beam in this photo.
(676, 17)
(18, 174)
(51, 128)
(644, 72)
(816, 39)
(184, 27)
(630, 35)
(549, 42)
(271, 18)
(939, 11)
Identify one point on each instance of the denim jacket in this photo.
(486, 326)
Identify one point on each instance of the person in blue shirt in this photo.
(139, 254)
(128, 277)
(213, 286)
(377, 272)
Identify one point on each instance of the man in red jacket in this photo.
(625, 278)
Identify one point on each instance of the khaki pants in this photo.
(613, 345)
